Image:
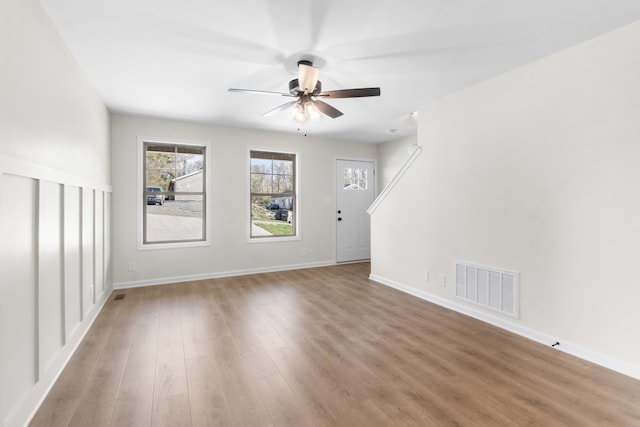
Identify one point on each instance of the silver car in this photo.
(155, 199)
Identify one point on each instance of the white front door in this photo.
(355, 191)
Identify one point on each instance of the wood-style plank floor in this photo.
(319, 347)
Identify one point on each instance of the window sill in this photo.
(273, 239)
(176, 245)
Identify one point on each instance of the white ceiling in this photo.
(178, 58)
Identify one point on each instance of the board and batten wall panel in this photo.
(51, 292)
(87, 250)
(72, 262)
(55, 251)
(18, 293)
(98, 246)
(108, 272)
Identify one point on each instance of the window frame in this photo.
(141, 200)
(296, 198)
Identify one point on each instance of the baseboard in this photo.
(603, 360)
(218, 275)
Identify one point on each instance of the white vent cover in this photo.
(489, 287)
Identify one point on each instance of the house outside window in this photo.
(273, 194)
(173, 189)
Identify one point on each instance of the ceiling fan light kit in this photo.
(307, 89)
(304, 111)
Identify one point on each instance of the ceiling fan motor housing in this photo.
(294, 88)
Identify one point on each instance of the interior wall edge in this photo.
(589, 355)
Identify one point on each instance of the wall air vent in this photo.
(489, 287)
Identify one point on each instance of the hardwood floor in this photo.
(319, 347)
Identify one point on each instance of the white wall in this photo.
(538, 171)
(229, 252)
(54, 207)
(391, 157)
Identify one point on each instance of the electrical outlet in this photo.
(304, 251)
(442, 280)
(425, 276)
(132, 266)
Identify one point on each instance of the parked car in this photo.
(155, 199)
(281, 215)
(273, 206)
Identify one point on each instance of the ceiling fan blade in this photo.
(351, 93)
(280, 108)
(327, 109)
(307, 77)
(259, 92)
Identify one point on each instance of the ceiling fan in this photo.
(307, 90)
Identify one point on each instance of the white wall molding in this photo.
(45, 225)
(20, 167)
(218, 275)
(622, 367)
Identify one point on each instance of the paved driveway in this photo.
(173, 227)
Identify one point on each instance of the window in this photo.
(272, 178)
(174, 193)
(356, 179)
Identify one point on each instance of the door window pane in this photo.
(355, 179)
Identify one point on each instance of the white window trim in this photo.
(140, 186)
(248, 197)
